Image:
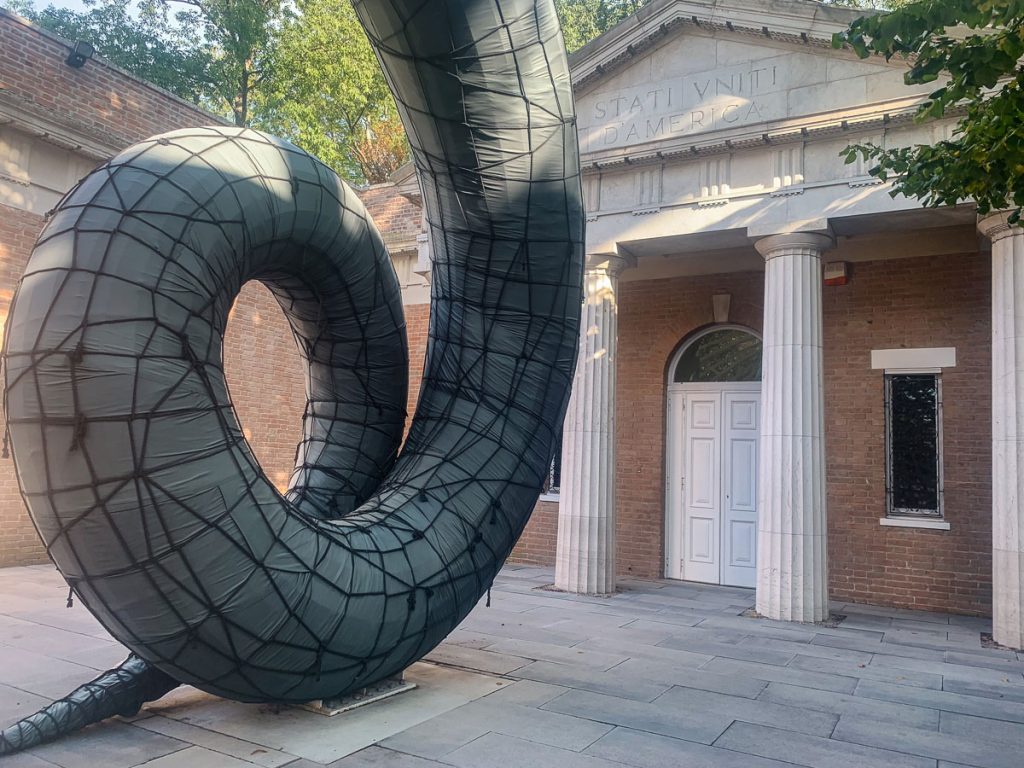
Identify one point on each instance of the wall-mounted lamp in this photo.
(720, 307)
(80, 54)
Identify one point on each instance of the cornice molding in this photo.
(816, 128)
(659, 21)
(45, 126)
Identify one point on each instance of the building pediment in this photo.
(683, 76)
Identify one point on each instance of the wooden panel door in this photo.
(702, 487)
(741, 425)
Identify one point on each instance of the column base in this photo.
(789, 590)
(583, 570)
(1008, 601)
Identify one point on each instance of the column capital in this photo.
(776, 245)
(611, 263)
(996, 225)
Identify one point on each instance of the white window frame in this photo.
(915, 518)
(924, 360)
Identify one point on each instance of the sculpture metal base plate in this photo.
(385, 689)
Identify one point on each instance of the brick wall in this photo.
(266, 381)
(97, 100)
(397, 217)
(923, 302)
(417, 321)
(537, 544)
(19, 543)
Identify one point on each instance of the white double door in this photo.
(712, 482)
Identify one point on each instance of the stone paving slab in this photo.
(650, 750)
(902, 738)
(246, 751)
(857, 642)
(448, 732)
(700, 726)
(615, 681)
(772, 673)
(842, 704)
(983, 728)
(495, 750)
(114, 745)
(761, 710)
(896, 675)
(944, 700)
(663, 674)
(813, 751)
(666, 672)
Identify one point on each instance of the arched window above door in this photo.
(720, 354)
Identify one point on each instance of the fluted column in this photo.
(585, 558)
(792, 572)
(1007, 428)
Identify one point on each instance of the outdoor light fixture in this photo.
(80, 54)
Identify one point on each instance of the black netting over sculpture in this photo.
(127, 447)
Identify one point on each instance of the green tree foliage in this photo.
(238, 34)
(144, 47)
(328, 94)
(583, 20)
(971, 50)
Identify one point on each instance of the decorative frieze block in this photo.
(715, 176)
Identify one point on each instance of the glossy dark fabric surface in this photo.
(129, 453)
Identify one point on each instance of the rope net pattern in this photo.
(129, 452)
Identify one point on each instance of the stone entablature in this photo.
(699, 117)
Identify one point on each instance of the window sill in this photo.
(552, 497)
(914, 522)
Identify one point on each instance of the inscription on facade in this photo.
(688, 104)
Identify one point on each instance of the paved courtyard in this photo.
(663, 674)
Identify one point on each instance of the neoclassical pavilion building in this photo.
(789, 379)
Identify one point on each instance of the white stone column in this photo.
(792, 572)
(585, 558)
(1007, 428)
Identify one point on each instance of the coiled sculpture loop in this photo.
(128, 450)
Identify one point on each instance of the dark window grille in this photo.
(913, 409)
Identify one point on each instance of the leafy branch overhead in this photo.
(971, 50)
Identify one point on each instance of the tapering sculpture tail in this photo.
(119, 691)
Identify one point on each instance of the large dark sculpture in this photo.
(129, 453)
